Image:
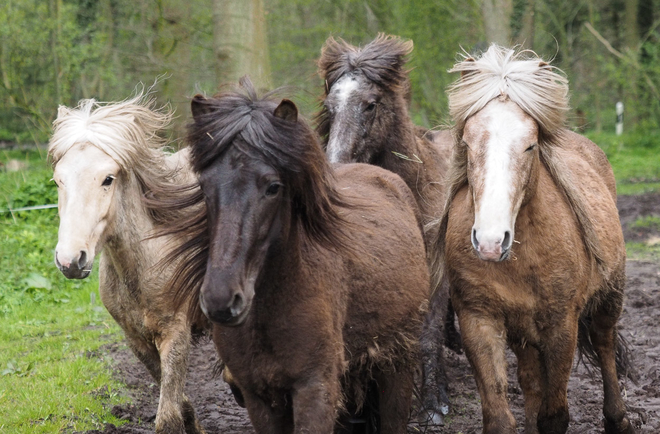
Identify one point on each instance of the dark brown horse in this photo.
(364, 119)
(315, 279)
(533, 246)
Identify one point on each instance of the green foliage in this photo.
(49, 383)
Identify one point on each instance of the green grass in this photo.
(51, 379)
(635, 159)
(643, 252)
(651, 222)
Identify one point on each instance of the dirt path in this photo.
(640, 324)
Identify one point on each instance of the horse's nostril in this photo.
(506, 243)
(83, 259)
(237, 304)
(475, 243)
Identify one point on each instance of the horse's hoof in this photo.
(622, 427)
(430, 418)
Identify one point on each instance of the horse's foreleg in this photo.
(530, 378)
(484, 341)
(604, 335)
(434, 379)
(175, 413)
(267, 417)
(315, 403)
(146, 353)
(395, 394)
(556, 362)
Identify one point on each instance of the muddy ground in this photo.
(640, 324)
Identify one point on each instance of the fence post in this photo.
(619, 118)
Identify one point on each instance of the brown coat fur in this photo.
(559, 280)
(372, 125)
(324, 289)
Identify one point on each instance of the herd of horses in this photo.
(327, 263)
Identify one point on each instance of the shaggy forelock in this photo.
(381, 61)
(128, 131)
(539, 89)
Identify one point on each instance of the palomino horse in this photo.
(532, 243)
(316, 286)
(364, 119)
(105, 158)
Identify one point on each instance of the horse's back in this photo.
(442, 141)
(594, 156)
(389, 278)
(378, 189)
(179, 162)
(593, 177)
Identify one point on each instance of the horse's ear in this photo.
(62, 111)
(287, 110)
(467, 72)
(199, 106)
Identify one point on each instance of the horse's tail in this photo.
(625, 366)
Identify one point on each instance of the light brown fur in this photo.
(567, 267)
(131, 286)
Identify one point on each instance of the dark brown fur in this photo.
(385, 136)
(340, 289)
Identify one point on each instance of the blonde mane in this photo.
(130, 132)
(539, 89)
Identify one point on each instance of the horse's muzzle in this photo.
(77, 268)
(230, 314)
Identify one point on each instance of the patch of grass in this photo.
(49, 382)
(634, 157)
(651, 222)
(643, 251)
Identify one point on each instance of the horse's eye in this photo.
(370, 107)
(108, 181)
(273, 189)
(53, 179)
(531, 147)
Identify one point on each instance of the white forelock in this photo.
(538, 88)
(125, 130)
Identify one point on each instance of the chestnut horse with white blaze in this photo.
(105, 158)
(531, 242)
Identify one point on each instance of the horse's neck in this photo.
(126, 247)
(415, 160)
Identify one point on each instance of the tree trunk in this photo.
(56, 7)
(525, 37)
(631, 45)
(240, 41)
(497, 20)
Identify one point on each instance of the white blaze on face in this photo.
(494, 210)
(339, 136)
(83, 202)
